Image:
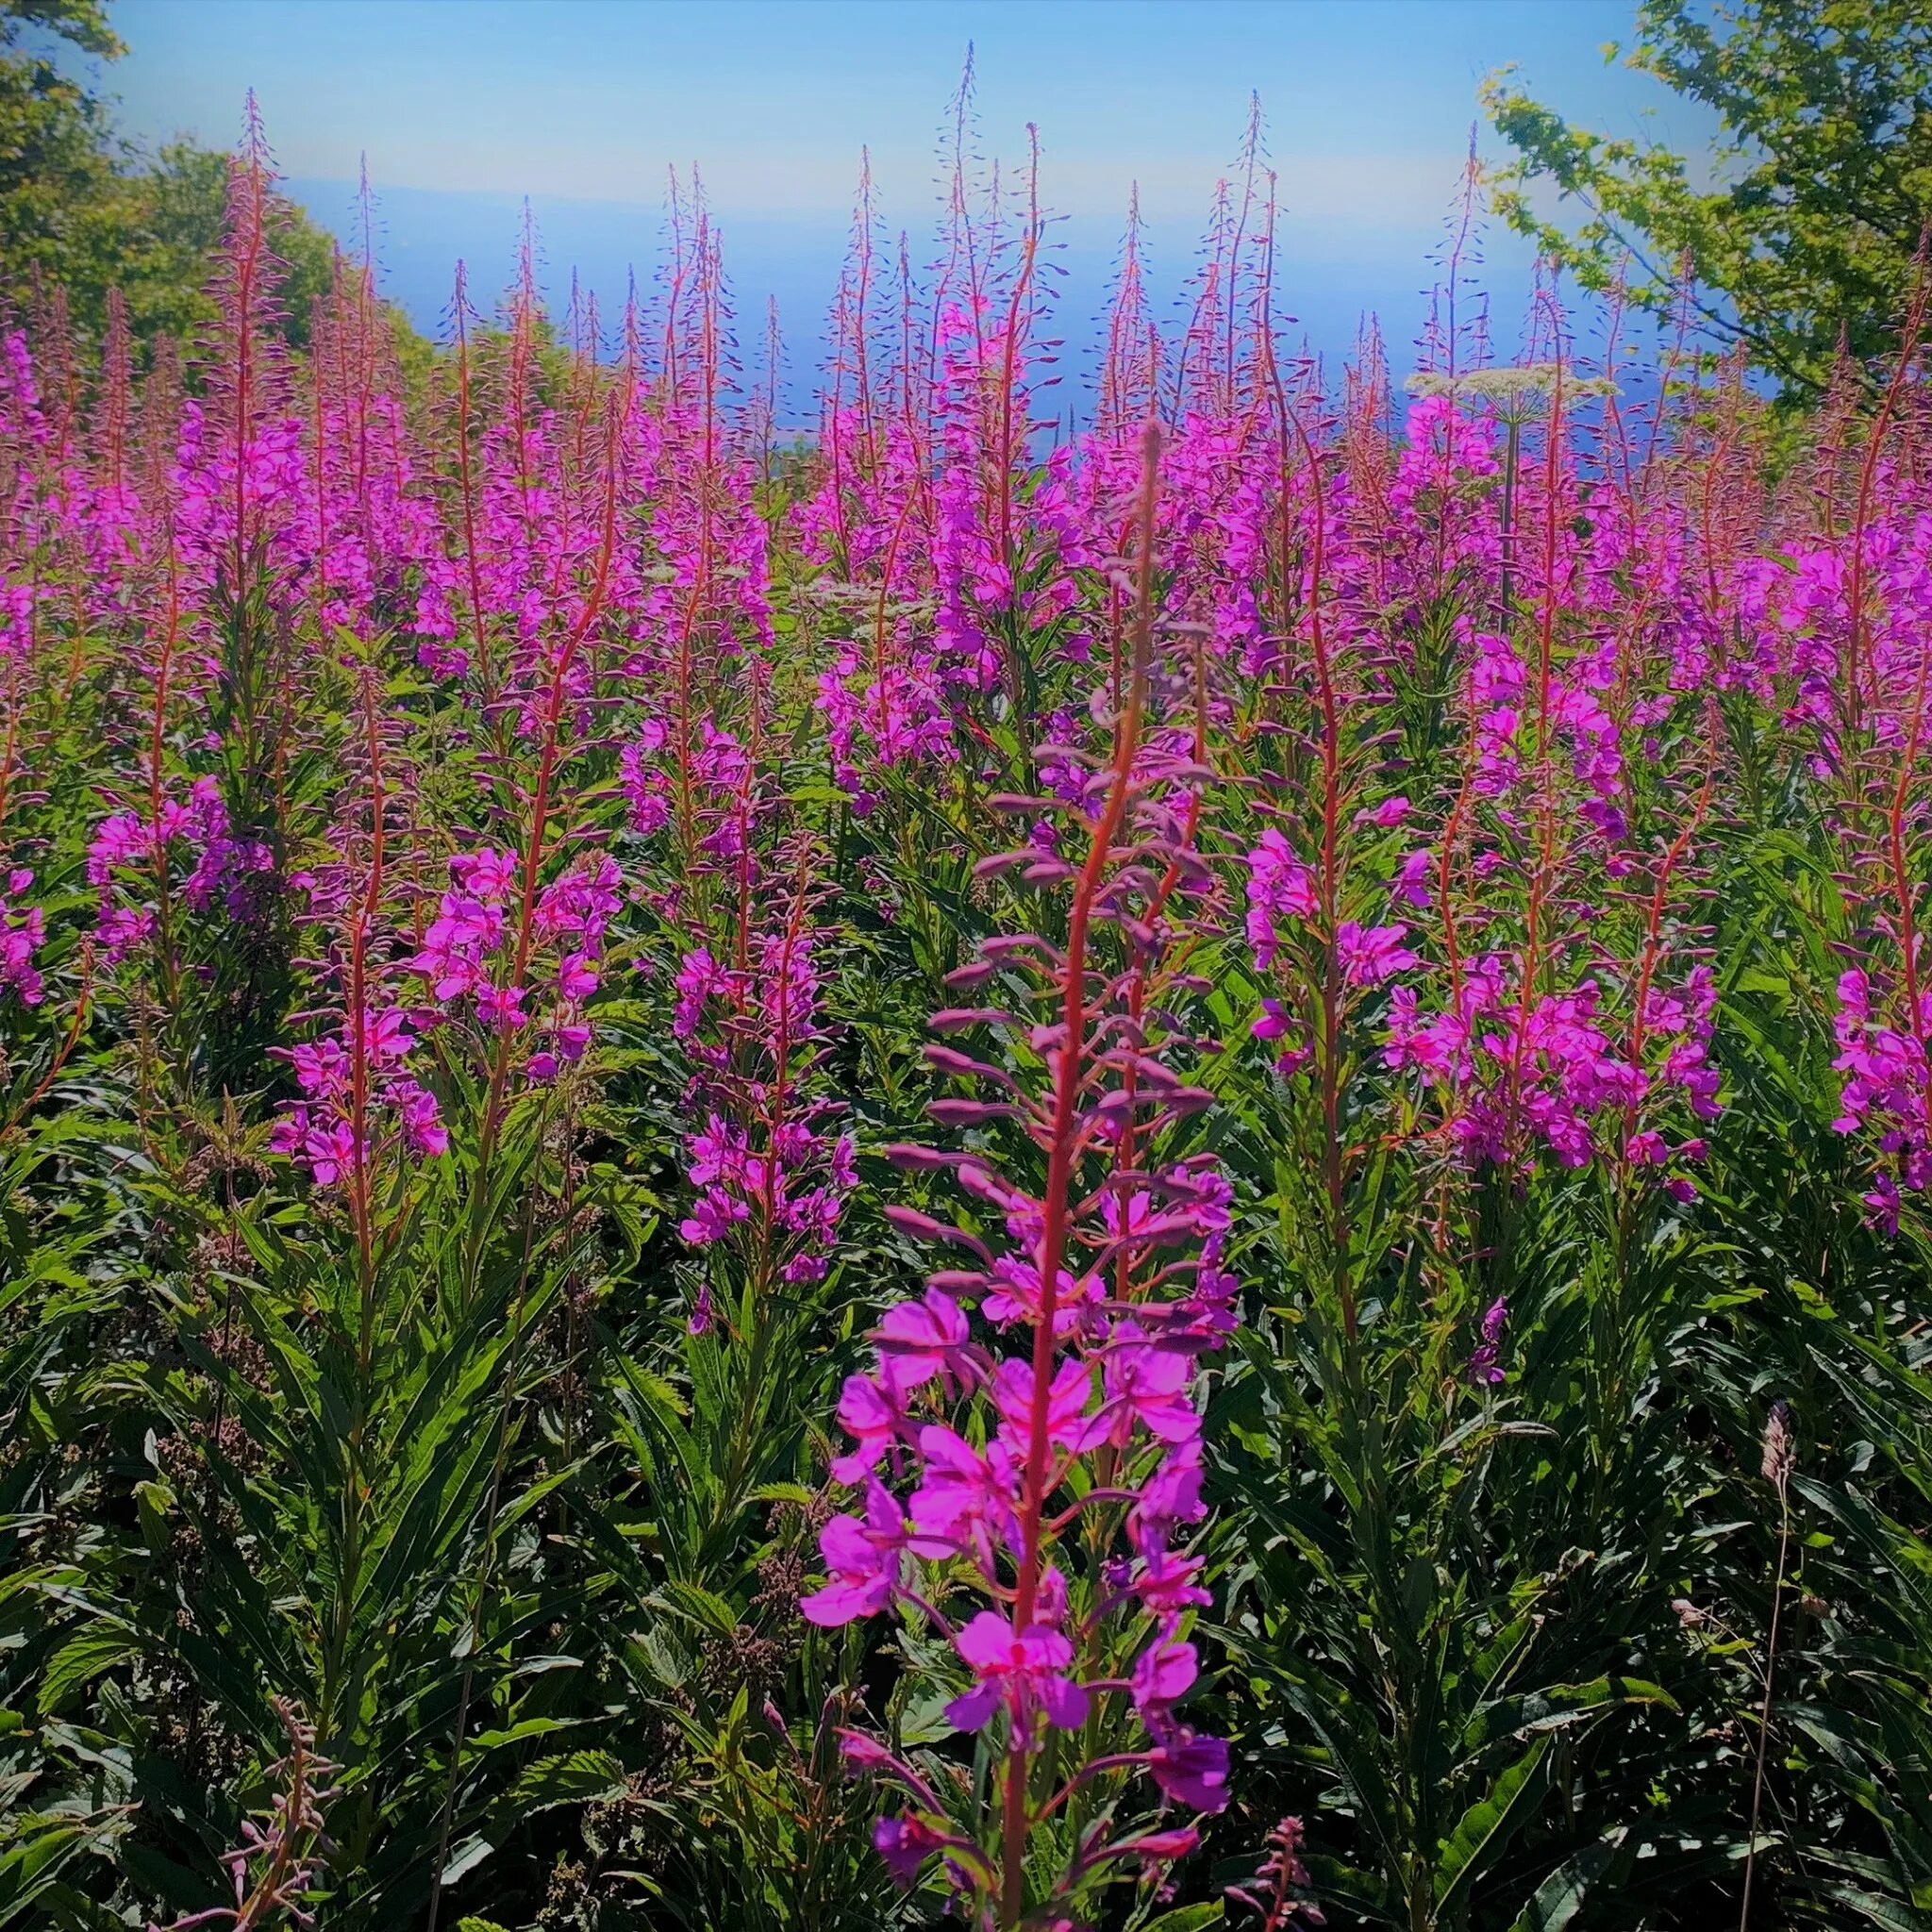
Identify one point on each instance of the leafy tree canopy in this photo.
(1823, 181)
(83, 208)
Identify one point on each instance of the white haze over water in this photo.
(461, 110)
(796, 259)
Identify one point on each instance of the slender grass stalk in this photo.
(1779, 1458)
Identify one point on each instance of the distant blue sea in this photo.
(796, 260)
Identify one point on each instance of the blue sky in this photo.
(464, 106)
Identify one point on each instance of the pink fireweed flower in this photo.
(192, 842)
(1551, 1075)
(1279, 887)
(469, 926)
(872, 1410)
(501, 1007)
(645, 784)
(1144, 1386)
(1411, 883)
(904, 1845)
(927, 1337)
(1484, 1363)
(23, 931)
(1372, 954)
(471, 946)
(1885, 1091)
(966, 1500)
(318, 1131)
(1277, 1024)
(1164, 1673)
(1026, 1671)
(1191, 1770)
(771, 1165)
(862, 1556)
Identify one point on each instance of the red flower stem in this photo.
(1059, 1174)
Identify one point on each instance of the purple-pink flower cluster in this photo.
(319, 1130)
(1886, 1091)
(23, 931)
(772, 1165)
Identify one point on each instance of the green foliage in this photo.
(1808, 235)
(53, 133)
(84, 211)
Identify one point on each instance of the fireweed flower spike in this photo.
(361, 1089)
(1485, 1361)
(1277, 1888)
(276, 1865)
(1046, 1459)
(768, 1160)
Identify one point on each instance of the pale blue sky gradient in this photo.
(464, 106)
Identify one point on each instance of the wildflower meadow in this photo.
(1067, 1154)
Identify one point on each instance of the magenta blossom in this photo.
(1024, 1670)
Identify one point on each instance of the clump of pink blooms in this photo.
(190, 845)
(771, 1162)
(1887, 1091)
(513, 977)
(23, 931)
(319, 1130)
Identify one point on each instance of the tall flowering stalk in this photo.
(770, 1164)
(362, 1094)
(509, 919)
(1351, 955)
(1047, 1484)
(1884, 1008)
(868, 519)
(275, 1867)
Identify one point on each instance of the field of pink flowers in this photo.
(1156, 1174)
